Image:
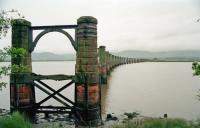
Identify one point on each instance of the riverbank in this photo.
(126, 120)
(137, 122)
(109, 121)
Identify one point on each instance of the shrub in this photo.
(16, 120)
(159, 123)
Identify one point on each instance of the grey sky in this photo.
(152, 25)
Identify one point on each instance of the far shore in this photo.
(146, 61)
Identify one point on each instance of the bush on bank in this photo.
(16, 120)
(160, 123)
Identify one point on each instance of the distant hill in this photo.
(164, 56)
(169, 55)
(44, 56)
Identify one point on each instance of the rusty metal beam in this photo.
(54, 27)
(57, 92)
(48, 93)
(57, 77)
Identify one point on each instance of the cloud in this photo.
(178, 33)
(122, 24)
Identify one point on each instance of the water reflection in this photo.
(154, 89)
(104, 95)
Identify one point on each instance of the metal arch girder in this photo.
(34, 43)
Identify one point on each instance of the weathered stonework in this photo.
(108, 61)
(22, 93)
(102, 65)
(87, 95)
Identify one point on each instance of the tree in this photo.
(5, 20)
(196, 71)
(5, 23)
(7, 70)
(196, 68)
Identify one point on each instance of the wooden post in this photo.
(87, 89)
(22, 93)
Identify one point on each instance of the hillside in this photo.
(166, 56)
(169, 55)
(52, 56)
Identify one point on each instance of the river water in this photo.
(151, 88)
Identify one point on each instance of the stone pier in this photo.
(87, 89)
(102, 65)
(22, 92)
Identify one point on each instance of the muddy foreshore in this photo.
(65, 121)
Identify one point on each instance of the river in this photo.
(151, 88)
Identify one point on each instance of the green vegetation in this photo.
(5, 20)
(6, 70)
(5, 23)
(16, 120)
(196, 68)
(196, 71)
(160, 123)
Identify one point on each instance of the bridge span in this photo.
(93, 66)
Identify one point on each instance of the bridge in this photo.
(93, 66)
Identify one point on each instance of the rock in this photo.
(131, 115)
(4, 112)
(61, 119)
(51, 120)
(111, 117)
(108, 117)
(70, 123)
(71, 120)
(41, 121)
(165, 116)
(135, 114)
(114, 118)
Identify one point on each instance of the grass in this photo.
(160, 123)
(16, 120)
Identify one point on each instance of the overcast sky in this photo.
(151, 25)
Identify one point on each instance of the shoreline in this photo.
(107, 122)
(110, 121)
(64, 121)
